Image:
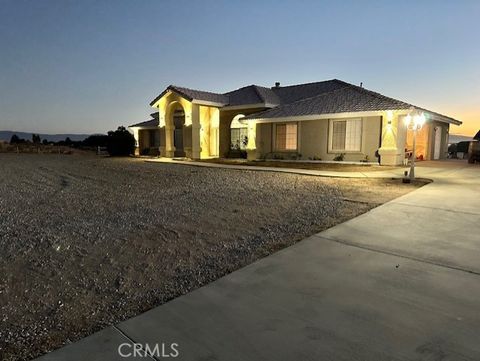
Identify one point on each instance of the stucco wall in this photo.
(444, 140)
(209, 122)
(226, 117)
(264, 138)
(145, 144)
(313, 140)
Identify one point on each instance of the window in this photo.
(346, 135)
(238, 133)
(286, 136)
(238, 137)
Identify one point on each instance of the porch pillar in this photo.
(169, 147)
(214, 132)
(163, 129)
(392, 149)
(137, 141)
(196, 132)
(252, 152)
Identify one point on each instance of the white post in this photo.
(414, 155)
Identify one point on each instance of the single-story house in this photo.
(322, 120)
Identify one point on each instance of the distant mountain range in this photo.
(7, 134)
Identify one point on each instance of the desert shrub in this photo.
(120, 142)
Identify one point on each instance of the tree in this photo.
(45, 142)
(36, 139)
(14, 139)
(120, 142)
(96, 140)
(477, 136)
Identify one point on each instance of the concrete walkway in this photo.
(401, 282)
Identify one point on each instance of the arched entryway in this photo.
(238, 133)
(178, 124)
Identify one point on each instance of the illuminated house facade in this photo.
(321, 120)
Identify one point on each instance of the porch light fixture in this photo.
(389, 119)
(414, 124)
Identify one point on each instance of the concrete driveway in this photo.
(401, 282)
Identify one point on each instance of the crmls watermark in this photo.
(160, 350)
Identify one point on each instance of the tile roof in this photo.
(192, 94)
(341, 98)
(245, 95)
(147, 123)
(325, 97)
(268, 95)
(293, 93)
(252, 94)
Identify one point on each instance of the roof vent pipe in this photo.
(277, 84)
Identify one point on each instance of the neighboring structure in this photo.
(308, 121)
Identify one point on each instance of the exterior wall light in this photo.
(389, 117)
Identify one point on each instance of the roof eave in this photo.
(317, 116)
(208, 103)
(154, 102)
(446, 119)
(249, 106)
(170, 88)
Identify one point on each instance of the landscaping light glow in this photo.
(408, 120)
(414, 124)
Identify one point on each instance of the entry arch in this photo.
(175, 123)
(238, 133)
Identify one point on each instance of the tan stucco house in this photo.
(307, 121)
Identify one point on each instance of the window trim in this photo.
(330, 136)
(274, 145)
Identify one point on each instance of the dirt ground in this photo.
(86, 242)
(337, 167)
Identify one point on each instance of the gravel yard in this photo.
(86, 242)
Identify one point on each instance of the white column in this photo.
(196, 132)
(137, 140)
(252, 140)
(392, 149)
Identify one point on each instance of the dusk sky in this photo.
(88, 66)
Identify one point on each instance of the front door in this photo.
(178, 121)
(438, 143)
